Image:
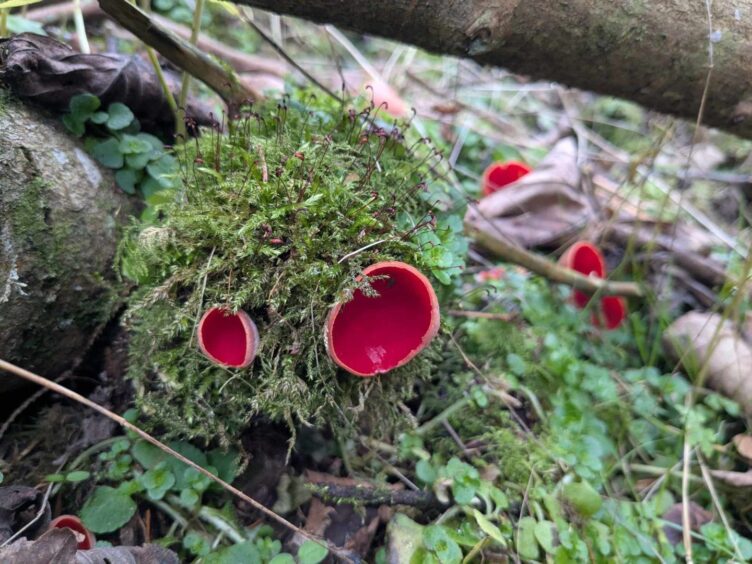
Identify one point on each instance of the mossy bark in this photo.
(652, 52)
(59, 216)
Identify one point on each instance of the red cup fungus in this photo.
(500, 174)
(612, 312)
(586, 258)
(228, 339)
(373, 335)
(84, 537)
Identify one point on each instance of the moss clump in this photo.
(278, 218)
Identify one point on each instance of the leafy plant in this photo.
(141, 162)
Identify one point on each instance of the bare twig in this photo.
(181, 53)
(70, 394)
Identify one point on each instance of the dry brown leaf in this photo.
(697, 518)
(743, 444)
(736, 479)
(543, 208)
(47, 72)
(689, 339)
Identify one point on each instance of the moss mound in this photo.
(278, 218)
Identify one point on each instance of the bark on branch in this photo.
(654, 53)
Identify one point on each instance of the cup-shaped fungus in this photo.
(585, 258)
(371, 335)
(84, 537)
(228, 339)
(612, 311)
(500, 174)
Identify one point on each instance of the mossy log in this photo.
(653, 53)
(59, 216)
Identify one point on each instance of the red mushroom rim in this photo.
(613, 309)
(373, 335)
(498, 175)
(228, 339)
(84, 537)
(585, 258)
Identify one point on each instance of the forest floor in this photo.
(542, 436)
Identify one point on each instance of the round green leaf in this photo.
(582, 498)
(83, 105)
(133, 145)
(108, 153)
(527, 545)
(283, 558)
(425, 472)
(99, 117)
(163, 170)
(126, 179)
(120, 116)
(311, 552)
(107, 510)
(438, 540)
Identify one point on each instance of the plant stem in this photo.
(443, 416)
(186, 81)
(78, 20)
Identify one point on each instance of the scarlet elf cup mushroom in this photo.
(84, 537)
(226, 338)
(586, 258)
(498, 175)
(371, 335)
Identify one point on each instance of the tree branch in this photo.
(654, 53)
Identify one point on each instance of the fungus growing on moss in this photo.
(500, 174)
(84, 537)
(226, 338)
(371, 335)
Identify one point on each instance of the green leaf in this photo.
(74, 125)
(107, 510)
(189, 498)
(99, 117)
(489, 528)
(17, 24)
(149, 187)
(120, 116)
(55, 478)
(155, 142)
(544, 534)
(157, 481)
(582, 498)
(83, 105)
(77, 476)
(163, 170)
(245, 552)
(126, 178)
(437, 540)
(283, 558)
(108, 153)
(147, 455)
(2, 477)
(196, 543)
(425, 472)
(138, 161)
(311, 552)
(226, 463)
(527, 545)
(133, 145)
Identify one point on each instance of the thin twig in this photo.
(70, 394)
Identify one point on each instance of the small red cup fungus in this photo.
(585, 258)
(226, 338)
(500, 174)
(372, 335)
(612, 311)
(84, 537)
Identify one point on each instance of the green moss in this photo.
(278, 219)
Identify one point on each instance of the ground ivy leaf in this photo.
(527, 545)
(283, 558)
(132, 144)
(544, 534)
(437, 540)
(83, 105)
(126, 179)
(99, 117)
(163, 169)
(107, 510)
(245, 552)
(108, 153)
(120, 116)
(425, 472)
(311, 552)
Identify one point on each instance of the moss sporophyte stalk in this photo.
(279, 219)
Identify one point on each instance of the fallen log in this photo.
(59, 217)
